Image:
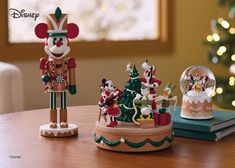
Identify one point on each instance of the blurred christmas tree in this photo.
(132, 87)
(222, 43)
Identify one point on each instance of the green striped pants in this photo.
(62, 100)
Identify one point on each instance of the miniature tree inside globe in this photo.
(197, 84)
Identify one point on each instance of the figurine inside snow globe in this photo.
(197, 84)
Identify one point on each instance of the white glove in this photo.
(103, 110)
(138, 96)
(116, 93)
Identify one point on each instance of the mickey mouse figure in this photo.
(57, 71)
(198, 82)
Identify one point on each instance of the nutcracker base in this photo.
(46, 131)
(132, 138)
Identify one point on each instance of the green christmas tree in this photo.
(222, 43)
(132, 87)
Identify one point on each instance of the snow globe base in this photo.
(132, 138)
(196, 108)
(196, 118)
(46, 131)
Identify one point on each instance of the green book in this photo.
(220, 121)
(211, 136)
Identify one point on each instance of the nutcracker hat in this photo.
(57, 26)
(57, 23)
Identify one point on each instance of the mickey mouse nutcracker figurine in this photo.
(58, 71)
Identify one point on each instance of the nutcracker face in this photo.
(57, 47)
(57, 43)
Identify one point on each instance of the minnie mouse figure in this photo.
(198, 82)
(57, 71)
(108, 102)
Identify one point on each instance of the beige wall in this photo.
(191, 25)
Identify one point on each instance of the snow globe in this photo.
(197, 83)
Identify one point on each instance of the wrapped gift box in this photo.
(162, 119)
(147, 123)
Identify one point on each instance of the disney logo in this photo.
(22, 14)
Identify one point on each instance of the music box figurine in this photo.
(197, 83)
(149, 81)
(130, 120)
(58, 71)
(108, 103)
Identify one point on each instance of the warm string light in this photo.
(225, 24)
(232, 68)
(233, 57)
(216, 37)
(219, 90)
(213, 93)
(209, 38)
(232, 78)
(221, 50)
(231, 81)
(232, 30)
(233, 103)
(220, 20)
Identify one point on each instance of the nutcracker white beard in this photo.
(57, 50)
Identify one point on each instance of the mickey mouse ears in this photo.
(57, 26)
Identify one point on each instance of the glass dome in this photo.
(197, 81)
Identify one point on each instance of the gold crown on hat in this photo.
(57, 23)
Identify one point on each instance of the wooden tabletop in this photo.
(22, 146)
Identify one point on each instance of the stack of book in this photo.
(220, 126)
